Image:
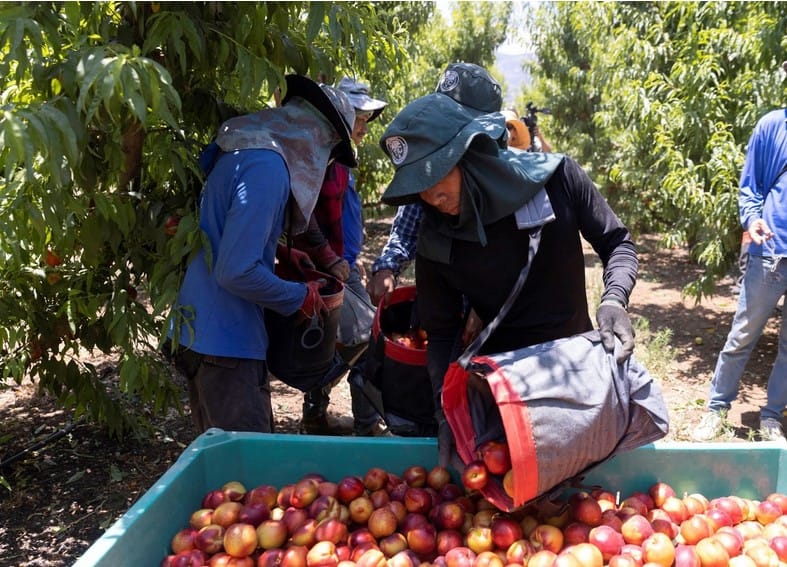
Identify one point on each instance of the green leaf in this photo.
(115, 474)
(65, 131)
(315, 20)
(90, 65)
(130, 82)
(75, 477)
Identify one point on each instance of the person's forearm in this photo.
(400, 248)
(620, 273)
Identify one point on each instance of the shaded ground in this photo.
(65, 493)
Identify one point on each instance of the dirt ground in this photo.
(69, 482)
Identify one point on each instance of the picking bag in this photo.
(398, 371)
(301, 351)
(563, 407)
(355, 319)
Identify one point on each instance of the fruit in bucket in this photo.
(413, 338)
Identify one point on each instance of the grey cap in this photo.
(428, 138)
(472, 86)
(334, 105)
(358, 93)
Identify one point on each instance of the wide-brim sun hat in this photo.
(428, 138)
(358, 93)
(334, 105)
(523, 134)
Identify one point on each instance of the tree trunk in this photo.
(133, 138)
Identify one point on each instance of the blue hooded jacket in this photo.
(242, 214)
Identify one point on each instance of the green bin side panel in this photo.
(141, 537)
(748, 470)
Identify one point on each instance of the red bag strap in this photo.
(457, 410)
(519, 433)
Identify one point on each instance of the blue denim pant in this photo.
(764, 283)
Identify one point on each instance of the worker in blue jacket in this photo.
(264, 172)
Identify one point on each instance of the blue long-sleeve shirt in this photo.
(763, 192)
(242, 212)
(352, 223)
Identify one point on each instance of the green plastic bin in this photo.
(142, 535)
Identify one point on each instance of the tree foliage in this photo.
(104, 107)
(658, 100)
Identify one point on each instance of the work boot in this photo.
(315, 414)
(376, 429)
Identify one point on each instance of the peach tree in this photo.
(658, 100)
(104, 107)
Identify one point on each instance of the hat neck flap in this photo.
(301, 135)
(493, 187)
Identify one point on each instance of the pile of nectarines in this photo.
(422, 518)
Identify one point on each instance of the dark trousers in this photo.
(229, 393)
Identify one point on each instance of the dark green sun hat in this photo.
(471, 85)
(428, 138)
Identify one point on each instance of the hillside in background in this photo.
(510, 65)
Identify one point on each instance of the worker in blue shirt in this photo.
(264, 172)
(762, 203)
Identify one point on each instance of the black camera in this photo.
(531, 118)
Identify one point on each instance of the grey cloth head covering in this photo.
(358, 93)
(301, 134)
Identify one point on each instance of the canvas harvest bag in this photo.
(563, 407)
(355, 319)
(398, 372)
(302, 352)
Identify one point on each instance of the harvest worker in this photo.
(336, 235)
(472, 86)
(475, 197)
(762, 203)
(262, 169)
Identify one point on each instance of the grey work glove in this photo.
(613, 321)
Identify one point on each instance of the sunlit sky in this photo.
(512, 45)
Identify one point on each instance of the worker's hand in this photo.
(381, 285)
(296, 261)
(313, 304)
(472, 328)
(760, 231)
(613, 321)
(340, 269)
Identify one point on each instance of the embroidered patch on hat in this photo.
(397, 149)
(449, 80)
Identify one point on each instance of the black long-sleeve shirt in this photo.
(552, 303)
